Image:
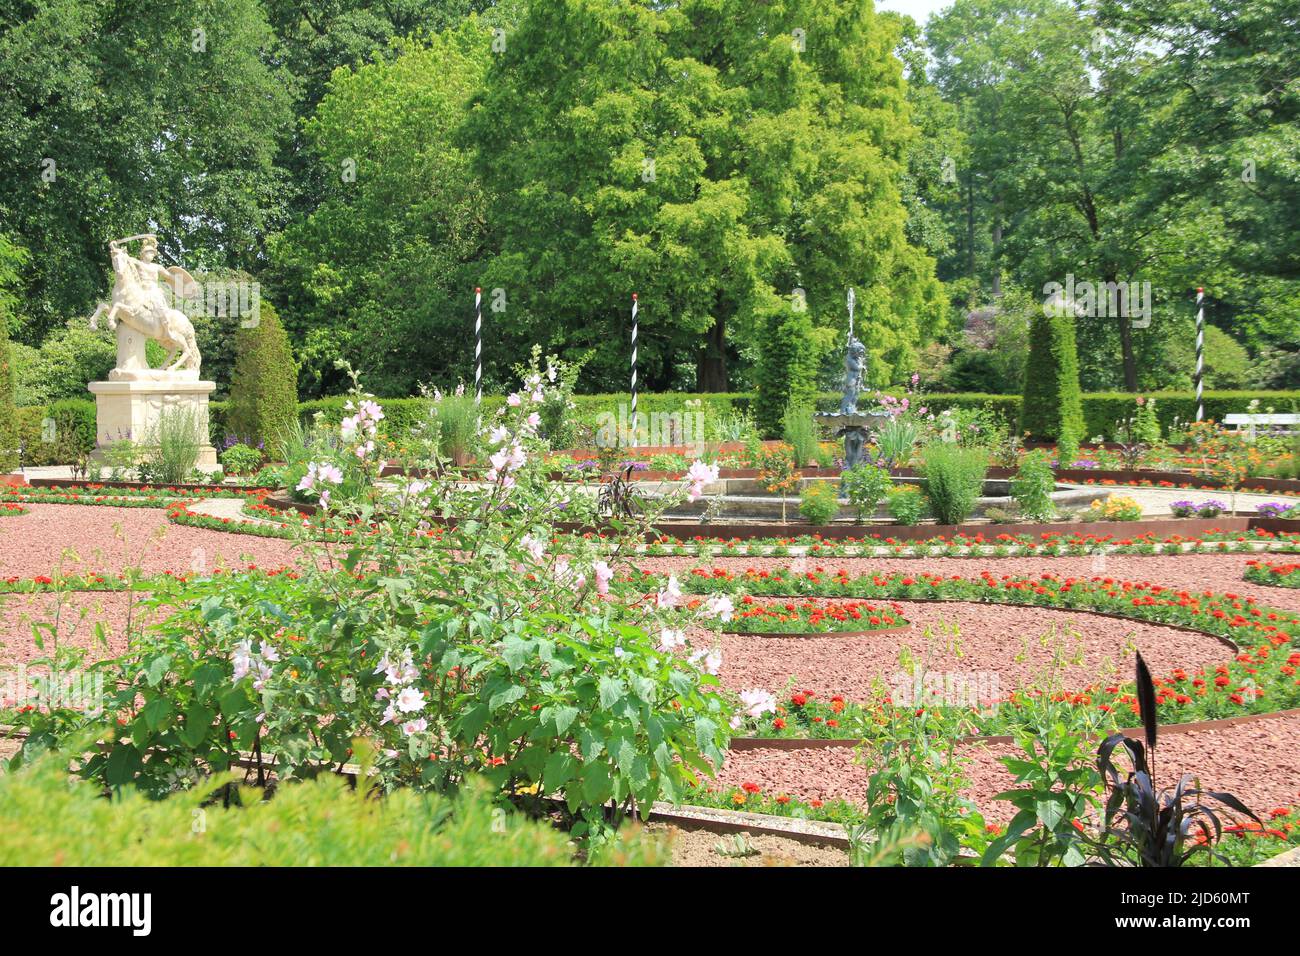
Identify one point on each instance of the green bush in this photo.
(865, 486)
(174, 443)
(457, 417)
(786, 372)
(800, 433)
(46, 821)
(1033, 486)
(906, 505)
(264, 388)
(70, 357)
(952, 478)
(1052, 406)
(239, 459)
(818, 502)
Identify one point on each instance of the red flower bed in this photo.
(814, 617)
(1274, 575)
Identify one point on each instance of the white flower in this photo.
(242, 659)
(671, 595)
(758, 702)
(414, 726)
(719, 606)
(268, 652)
(670, 640)
(708, 661)
(603, 574)
(534, 546)
(498, 435)
(698, 476)
(410, 700)
(513, 400)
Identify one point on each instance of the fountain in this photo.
(854, 426)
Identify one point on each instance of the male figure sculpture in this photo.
(140, 306)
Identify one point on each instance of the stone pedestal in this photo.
(131, 409)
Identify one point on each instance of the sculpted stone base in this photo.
(131, 410)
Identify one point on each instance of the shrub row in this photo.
(1100, 410)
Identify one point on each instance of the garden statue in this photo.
(135, 397)
(855, 360)
(140, 311)
(848, 422)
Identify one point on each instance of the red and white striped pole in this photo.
(478, 344)
(1200, 352)
(635, 442)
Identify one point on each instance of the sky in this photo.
(918, 10)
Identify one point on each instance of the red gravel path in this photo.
(95, 538)
(76, 613)
(1016, 644)
(1258, 762)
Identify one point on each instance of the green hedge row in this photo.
(1101, 410)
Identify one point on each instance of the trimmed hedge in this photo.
(1101, 410)
(264, 386)
(1051, 408)
(74, 419)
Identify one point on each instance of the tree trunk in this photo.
(711, 366)
(970, 226)
(1125, 342)
(997, 265)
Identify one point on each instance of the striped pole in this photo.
(1200, 352)
(634, 432)
(478, 344)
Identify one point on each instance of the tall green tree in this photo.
(12, 258)
(380, 273)
(710, 156)
(117, 118)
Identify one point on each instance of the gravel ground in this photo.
(95, 538)
(993, 647)
(700, 848)
(1258, 762)
(76, 616)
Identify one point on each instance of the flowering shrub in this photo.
(494, 654)
(818, 502)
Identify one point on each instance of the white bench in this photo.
(1272, 421)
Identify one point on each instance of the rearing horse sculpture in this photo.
(140, 304)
